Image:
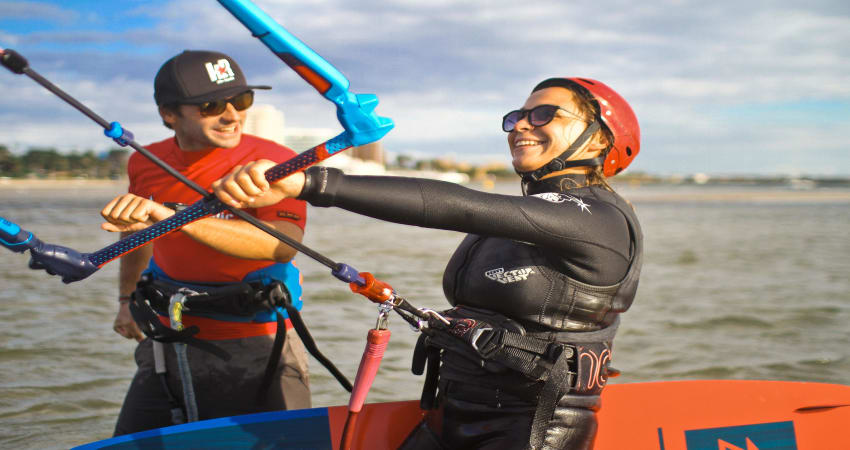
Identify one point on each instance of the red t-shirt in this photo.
(180, 256)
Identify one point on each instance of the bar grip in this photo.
(13, 61)
(14, 238)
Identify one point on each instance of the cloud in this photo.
(7, 39)
(33, 117)
(22, 10)
(446, 71)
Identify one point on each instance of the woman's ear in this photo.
(598, 142)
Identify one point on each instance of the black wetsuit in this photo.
(559, 261)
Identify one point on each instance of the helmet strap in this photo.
(560, 162)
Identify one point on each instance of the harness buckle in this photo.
(277, 294)
(486, 341)
(555, 349)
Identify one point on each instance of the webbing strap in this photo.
(432, 379)
(177, 415)
(279, 296)
(310, 344)
(526, 354)
(274, 356)
(158, 358)
(558, 382)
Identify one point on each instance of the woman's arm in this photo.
(565, 229)
(562, 225)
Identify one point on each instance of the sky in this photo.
(759, 87)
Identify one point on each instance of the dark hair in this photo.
(172, 108)
(589, 107)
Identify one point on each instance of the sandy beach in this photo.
(18, 183)
(682, 194)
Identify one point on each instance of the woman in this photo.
(538, 284)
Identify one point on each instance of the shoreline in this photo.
(738, 196)
(29, 183)
(638, 193)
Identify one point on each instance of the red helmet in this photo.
(620, 119)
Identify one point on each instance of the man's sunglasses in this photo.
(538, 116)
(241, 102)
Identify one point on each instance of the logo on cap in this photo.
(220, 72)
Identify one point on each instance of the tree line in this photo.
(49, 163)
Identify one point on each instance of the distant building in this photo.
(373, 152)
(701, 178)
(268, 122)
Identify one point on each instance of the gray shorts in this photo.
(222, 388)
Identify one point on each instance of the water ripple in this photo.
(731, 289)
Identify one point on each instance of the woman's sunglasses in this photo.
(538, 116)
(241, 102)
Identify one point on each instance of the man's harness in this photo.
(152, 298)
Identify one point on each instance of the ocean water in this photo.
(738, 283)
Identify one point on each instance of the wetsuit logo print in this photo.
(511, 276)
(556, 197)
(596, 368)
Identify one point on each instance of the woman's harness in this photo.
(552, 363)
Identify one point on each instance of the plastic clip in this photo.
(118, 134)
(373, 289)
(349, 274)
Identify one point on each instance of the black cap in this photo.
(197, 76)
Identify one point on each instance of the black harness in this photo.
(152, 298)
(552, 363)
(490, 341)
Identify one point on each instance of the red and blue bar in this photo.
(354, 111)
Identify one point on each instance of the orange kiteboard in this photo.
(669, 415)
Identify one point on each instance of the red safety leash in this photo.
(376, 344)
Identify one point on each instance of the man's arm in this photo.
(131, 267)
(236, 238)
(240, 239)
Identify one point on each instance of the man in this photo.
(203, 97)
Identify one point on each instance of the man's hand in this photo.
(130, 212)
(246, 186)
(125, 325)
